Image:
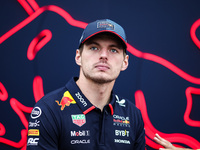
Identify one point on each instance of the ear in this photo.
(125, 63)
(78, 57)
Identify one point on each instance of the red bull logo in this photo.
(66, 100)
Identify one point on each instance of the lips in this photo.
(102, 67)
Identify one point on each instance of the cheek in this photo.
(89, 59)
(118, 63)
(86, 63)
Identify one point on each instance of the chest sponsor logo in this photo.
(121, 121)
(80, 133)
(79, 120)
(36, 112)
(122, 141)
(32, 141)
(120, 102)
(79, 96)
(66, 100)
(34, 124)
(84, 141)
(33, 132)
(123, 133)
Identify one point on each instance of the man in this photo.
(167, 145)
(86, 113)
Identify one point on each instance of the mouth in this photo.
(102, 67)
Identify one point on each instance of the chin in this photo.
(102, 80)
(100, 77)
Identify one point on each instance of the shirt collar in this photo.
(83, 103)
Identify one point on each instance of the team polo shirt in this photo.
(66, 120)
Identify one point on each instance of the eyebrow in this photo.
(112, 45)
(91, 42)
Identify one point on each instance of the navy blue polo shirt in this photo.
(66, 120)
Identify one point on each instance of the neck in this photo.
(97, 94)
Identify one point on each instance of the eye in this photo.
(114, 50)
(94, 48)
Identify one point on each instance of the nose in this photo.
(104, 54)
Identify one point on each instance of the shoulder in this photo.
(125, 103)
(47, 109)
(47, 104)
(51, 97)
(126, 106)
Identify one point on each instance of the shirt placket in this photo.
(102, 127)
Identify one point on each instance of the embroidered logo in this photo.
(79, 120)
(121, 121)
(120, 102)
(36, 112)
(105, 24)
(33, 132)
(66, 100)
(79, 96)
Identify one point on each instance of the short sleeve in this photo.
(43, 131)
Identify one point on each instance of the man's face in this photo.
(102, 59)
